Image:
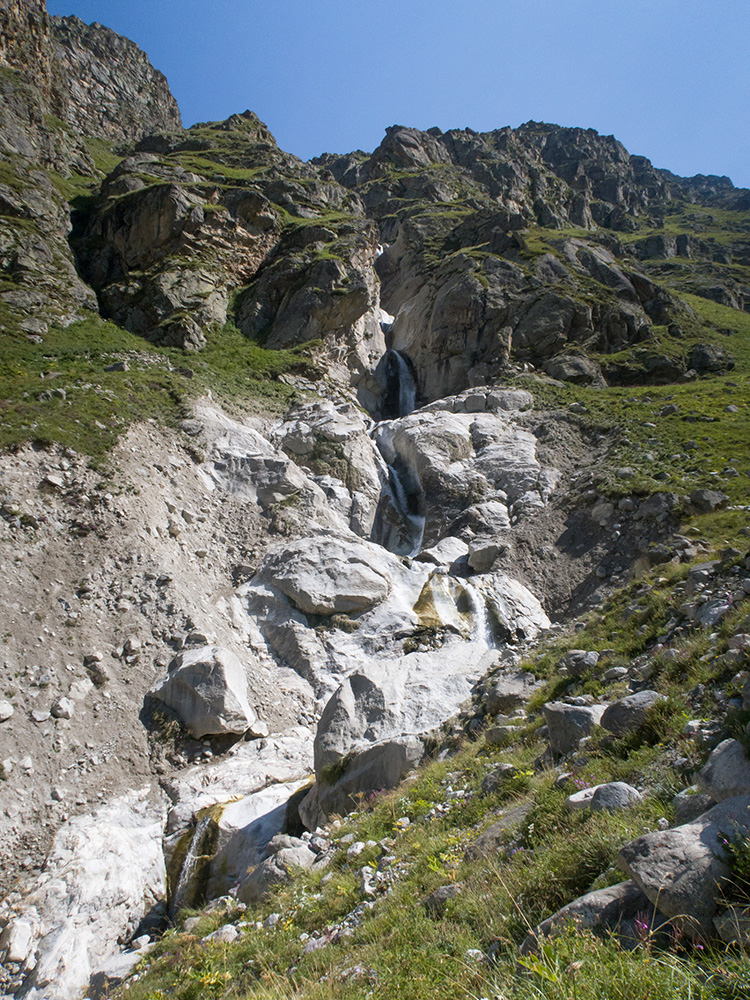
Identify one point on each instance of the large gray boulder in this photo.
(726, 773)
(629, 713)
(377, 767)
(509, 690)
(681, 870)
(568, 724)
(207, 688)
(329, 573)
(602, 911)
(614, 796)
(276, 870)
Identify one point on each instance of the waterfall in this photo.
(400, 518)
(190, 869)
(400, 388)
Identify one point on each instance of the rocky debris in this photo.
(726, 773)
(104, 873)
(629, 713)
(681, 870)
(6, 710)
(207, 688)
(623, 909)
(568, 724)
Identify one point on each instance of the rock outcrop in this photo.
(107, 86)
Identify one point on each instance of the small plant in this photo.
(736, 854)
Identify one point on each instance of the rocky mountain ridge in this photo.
(313, 471)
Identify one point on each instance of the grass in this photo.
(60, 391)
(551, 857)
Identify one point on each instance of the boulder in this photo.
(733, 925)
(276, 870)
(509, 690)
(578, 661)
(705, 501)
(581, 799)
(568, 724)
(379, 766)
(328, 573)
(207, 688)
(690, 803)
(575, 368)
(498, 777)
(615, 908)
(614, 796)
(498, 833)
(726, 773)
(629, 713)
(435, 904)
(681, 870)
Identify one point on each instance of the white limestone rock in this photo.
(329, 573)
(104, 873)
(207, 687)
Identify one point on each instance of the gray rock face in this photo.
(332, 441)
(629, 713)
(614, 796)
(329, 574)
(207, 688)
(568, 724)
(681, 870)
(109, 87)
(726, 773)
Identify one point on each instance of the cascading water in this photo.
(396, 375)
(400, 520)
(192, 867)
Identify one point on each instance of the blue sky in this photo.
(669, 78)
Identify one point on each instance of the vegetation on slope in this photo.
(325, 936)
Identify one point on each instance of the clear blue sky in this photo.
(669, 78)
